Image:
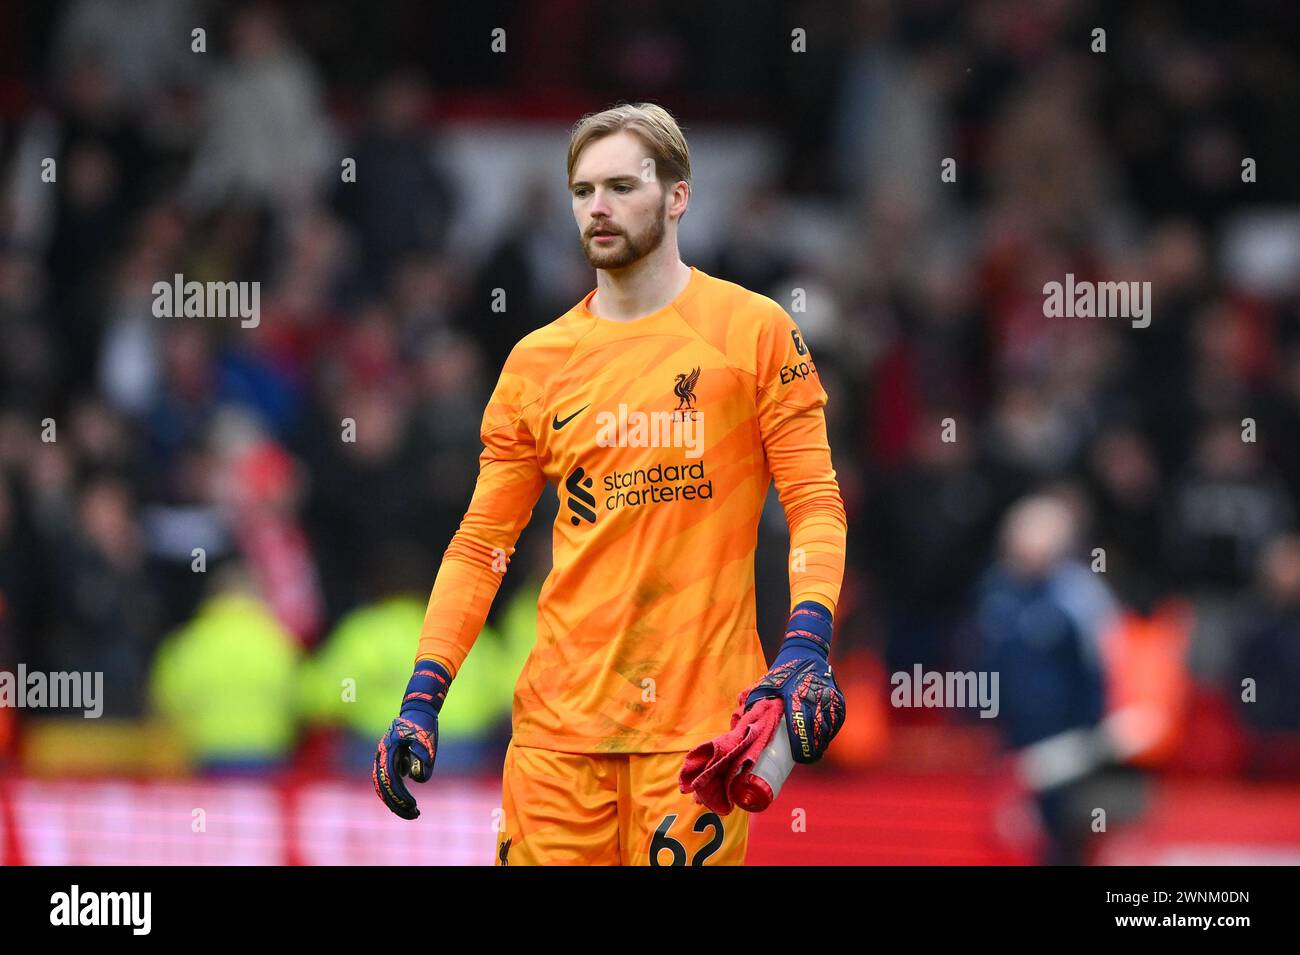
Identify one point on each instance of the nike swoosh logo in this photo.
(557, 424)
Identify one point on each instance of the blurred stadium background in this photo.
(230, 731)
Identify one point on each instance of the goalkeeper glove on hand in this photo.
(411, 743)
(801, 678)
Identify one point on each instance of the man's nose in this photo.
(599, 207)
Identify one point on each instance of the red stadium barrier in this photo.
(884, 819)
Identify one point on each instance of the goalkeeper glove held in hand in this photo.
(801, 678)
(411, 743)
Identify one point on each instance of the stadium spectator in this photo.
(1041, 620)
(225, 681)
(1267, 650)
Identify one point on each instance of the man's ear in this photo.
(672, 193)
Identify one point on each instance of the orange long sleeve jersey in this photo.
(661, 437)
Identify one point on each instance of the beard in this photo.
(627, 249)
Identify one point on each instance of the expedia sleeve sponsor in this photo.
(786, 371)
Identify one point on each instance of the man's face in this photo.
(620, 206)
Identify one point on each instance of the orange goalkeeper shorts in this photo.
(609, 809)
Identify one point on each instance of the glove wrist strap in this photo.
(426, 691)
(809, 631)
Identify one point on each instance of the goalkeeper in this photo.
(660, 408)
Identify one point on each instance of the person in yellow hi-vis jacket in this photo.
(225, 681)
(366, 660)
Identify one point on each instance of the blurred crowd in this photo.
(136, 451)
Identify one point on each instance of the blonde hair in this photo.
(654, 125)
